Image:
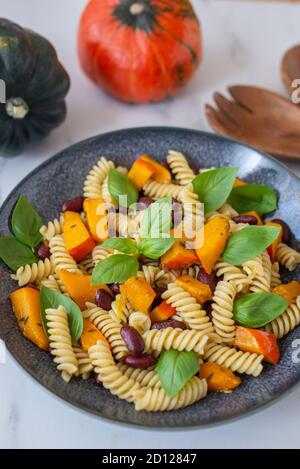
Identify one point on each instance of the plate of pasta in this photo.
(151, 276)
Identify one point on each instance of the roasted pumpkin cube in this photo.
(216, 232)
(79, 242)
(162, 312)
(161, 173)
(218, 378)
(256, 341)
(198, 290)
(289, 291)
(139, 293)
(96, 216)
(178, 257)
(90, 335)
(140, 172)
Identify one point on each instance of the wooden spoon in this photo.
(259, 118)
(290, 69)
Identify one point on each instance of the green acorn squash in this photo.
(36, 85)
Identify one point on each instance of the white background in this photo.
(243, 43)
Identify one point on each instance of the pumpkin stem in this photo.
(17, 108)
(137, 8)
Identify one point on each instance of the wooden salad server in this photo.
(290, 71)
(258, 117)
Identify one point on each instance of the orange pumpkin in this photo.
(140, 51)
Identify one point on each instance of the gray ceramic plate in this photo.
(61, 178)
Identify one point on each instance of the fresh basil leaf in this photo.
(52, 299)
(120, 185)
(258, 309)
(157, 219)
(16, 254)
(261, 199)
(248, 243)
(213, 187)
(175, 369)
(26, 223)
(154, 248)
(115, 269)
(126, 245)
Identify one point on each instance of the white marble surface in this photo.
(243, 44)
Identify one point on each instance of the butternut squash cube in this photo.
(79, 242)
(216, 233)
(139, 293)
(97, 218)
(198, 290)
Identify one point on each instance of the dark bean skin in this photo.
(286, 230)
(103, 299)
(157, 300)
(115, 289)
(208, 279)
(73, 205)
(31, 285)
(133, 340)
(143, 362)
(169, 323)
(43, 251)
(146, 201)
(245, 219)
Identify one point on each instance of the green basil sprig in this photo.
(116, 268)
(154, 248)
(213, 187)
(125, 245)
(15, 254)
(261, 199)
(52, 299)
(175, 369)
(157, 219)
(248, 243)
(119, 184)
(26, 223)
(258, 309)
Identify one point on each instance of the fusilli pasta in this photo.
(287, 257)
(124, 313)
(275, 275)
(33, 273)
(54, 227)
(180, 167)
(140, 321)
(156, 190)
(60, 257)
(95, 178)
(177, 339)
(50, 282)
(99, 254)
(286, 322)
(147, 377)
(85, 366)
(234, 275)
(262, 282)
(222, 311)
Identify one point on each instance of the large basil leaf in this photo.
(15, 254)
(26, 223)
(115, 269)
(125, 245)
(157, 219)
(52, 299)
(261, 199)
(248, 243)
(258, 309)
(213, 187)
(154, 248)
(175, 369)
(120, 185)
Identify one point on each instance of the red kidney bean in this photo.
(146, 201)
(286, 230)
(208, 308)
(143, 361)
(157, 300)
(245, 219)
(133, 340)
(103, 299)
(115, 289)
(169, 323)
(43, 251)
(208, 279)
(31, 285)
(195, 170)
(74, 205)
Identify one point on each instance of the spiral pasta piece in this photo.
(263, 282)
(151, 273)
(180, 167)
(50, 282)
(233, 274)
(254, 267)
(124, 313)
(177, 339)
(193, 213)
(95, 178)
(99, 254)
(140, 321)
(286, 322)
(60, 257)
(147, 377)
(85, 366)
(192, 271)
(235, 227)
(106, 196)
(275, 275)
(188, 309)
(109, 374)
(156, 190)
(235, 360)
(110, 329)
(53, 228)
(228, 211)
(222, 311)
(61, 343)
(156, 400)
(287, 257)
(87, 265)
(33, 273)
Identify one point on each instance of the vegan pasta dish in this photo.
(162, 281)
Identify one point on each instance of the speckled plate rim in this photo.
(267, 402)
